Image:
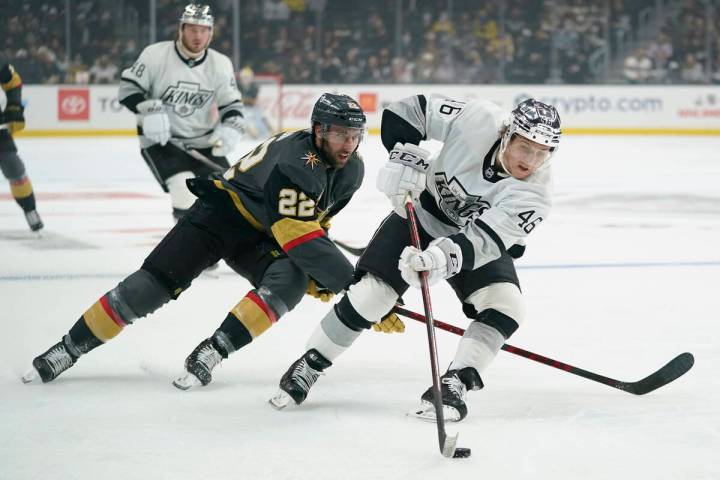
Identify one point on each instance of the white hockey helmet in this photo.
(535, 121)
(197, 14)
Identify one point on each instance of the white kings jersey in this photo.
(194, 91)
(467, 197)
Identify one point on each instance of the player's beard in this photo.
(192, 50)
(332, 157)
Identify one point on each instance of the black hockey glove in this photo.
(13, 116)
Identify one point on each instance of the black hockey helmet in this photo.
(333, 109)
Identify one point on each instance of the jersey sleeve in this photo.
(136, 80)
(295, 225)
(228, 95)
(518, 208)
(10, 82)
(417, 118)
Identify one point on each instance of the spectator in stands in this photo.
(103, 71)
(637, 67)
(691, 70)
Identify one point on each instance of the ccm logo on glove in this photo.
(408, 158)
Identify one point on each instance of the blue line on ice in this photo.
(84, 276)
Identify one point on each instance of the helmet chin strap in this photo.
(501, 151)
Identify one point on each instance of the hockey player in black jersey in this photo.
(267, 218)
(12, 120)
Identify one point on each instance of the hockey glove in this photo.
(226, 136)
(316, 290)
(13, 116)
(390, 323)
(403, 173)
(154, 121)
(442, 259)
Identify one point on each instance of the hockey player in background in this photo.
(267, 217)
(12, 120)
(256, 125)
(476, 202)
(176, 89)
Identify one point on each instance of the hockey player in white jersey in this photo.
(186, 101)
(486, 190)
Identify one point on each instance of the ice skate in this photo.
(454, 385)
(199, 365)
(299, 379)
(50, 364)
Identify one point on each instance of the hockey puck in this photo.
(462, 453)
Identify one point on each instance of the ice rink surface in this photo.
(621, 278)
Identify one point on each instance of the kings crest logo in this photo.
(458, 205)
(186, 97)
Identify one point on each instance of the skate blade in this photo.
(187, 382)
(426, 412)
(280, 400)
(30, 376)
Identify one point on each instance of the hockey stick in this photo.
(448, 444)
(203, 159)
(357, 251)
(672, 370)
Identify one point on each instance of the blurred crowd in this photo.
(398, 41)
(685, 45)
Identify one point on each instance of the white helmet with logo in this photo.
(197, 14)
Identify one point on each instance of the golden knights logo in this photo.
(186, 97)
(458, 205)
(311, 160)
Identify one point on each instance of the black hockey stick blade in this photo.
(674, 369)
(357, 251)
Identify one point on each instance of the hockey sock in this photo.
(251, 317)
(22, 192)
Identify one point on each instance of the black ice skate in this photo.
(299, 379)
(50, 364)
(454, 386)
(33, 220)
(199, 365)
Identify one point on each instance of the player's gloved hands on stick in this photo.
(314, 289)
(226, 136)
(13, 116)
(390, 323)
(403, 174)
(155, 121)
(442, 259)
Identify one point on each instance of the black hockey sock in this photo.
(80, 338)
(230, 336)
(22, 192)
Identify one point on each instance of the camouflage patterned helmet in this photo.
(197, 14)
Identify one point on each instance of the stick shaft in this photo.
(432, 343)
(674, 369)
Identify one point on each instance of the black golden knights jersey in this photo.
(285, 189)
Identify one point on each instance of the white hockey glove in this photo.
(226, 136)
(403, 174)
(154, 121)
(442, 259)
